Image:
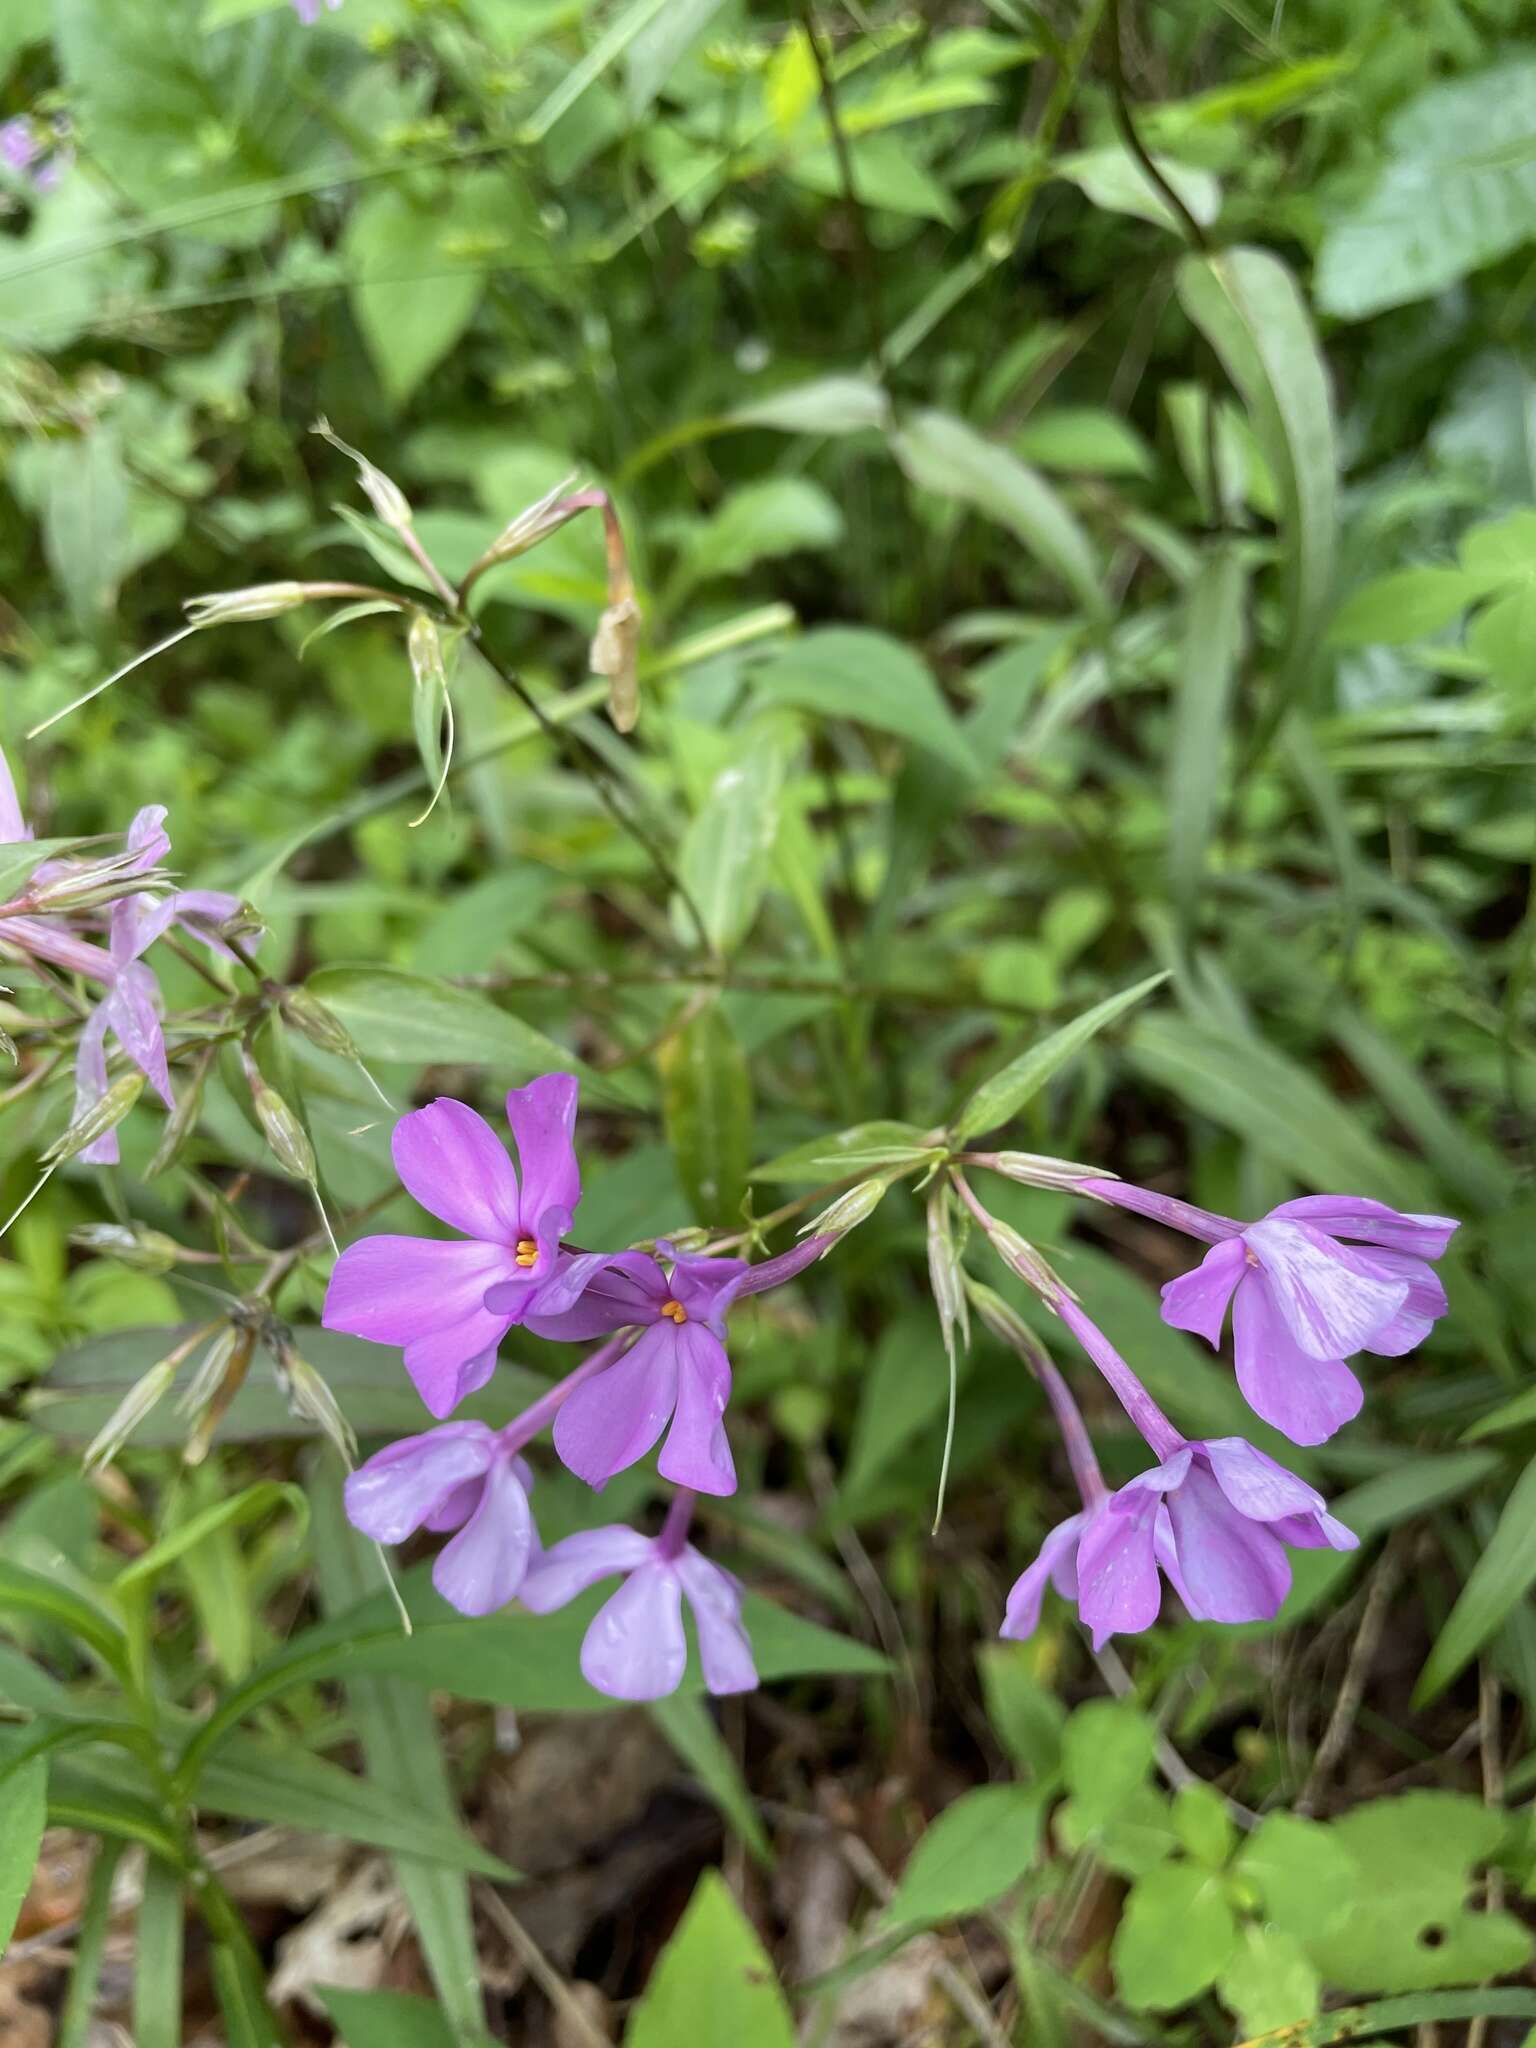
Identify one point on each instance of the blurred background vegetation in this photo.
(1079, 470)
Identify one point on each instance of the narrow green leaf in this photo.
(851, 672)
(727, 851)
(1001, 1098)
(157, 1958)
(1393, 2016)
(392, 1015)
(707, 1110)
(90, 1947)
(1249, 308)
(23, 1816)
(387, 2019)
(1213, 648)
(247, 1506)
(1503, 1575)
(690, 1727)
(942, 454)
(860, 1149)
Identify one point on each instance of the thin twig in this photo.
(1363, 1655)
(1489, 1731)
(541, 1969)
(1121, 110)
(869, 278)
(1175, 1772)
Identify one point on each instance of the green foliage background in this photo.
(1054, 571)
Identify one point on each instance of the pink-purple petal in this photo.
(697, 1451)
(786, 1266)
(576, 1562)
(1198, 1300)
(1118, 1589)
(483, 1566)
(132, 1005)
(1356, 1216)
(635, 1648)
(1425, 1305)
(614, 1419)
(457, 1168)
(1332, 1296)
(543, 1120)
(725, 1648)
(396, 1290)
(1254, 1483)
(401, 1487)
(1058, 1551)
(1305, 1398)
(630, 1289)
(451, 1364)
(1231, 1569)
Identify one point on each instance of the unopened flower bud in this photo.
(944, 1272)
(104, 1115)
(383, 493)
(615, 653)
(200, 1388)
(424, 644)
(691, 1240)
(1019, 1253)
(125, 1418)
(220, 1389)
(284, 1133)
(848, 1210)
(1040, 1170)
(322, 1027)
(537, 522)
(1001, 1318)
(308, 1396)
(146, 1251)
(238, 607)
(182, 1121)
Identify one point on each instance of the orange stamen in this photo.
(527, 1252)
(675, 1311)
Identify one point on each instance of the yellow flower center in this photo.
(527, 1253)
(674, 1311)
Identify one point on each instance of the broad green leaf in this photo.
(690, 1727)
(23, 1816)
(862, 1149)
(1501, 637)
(727, 851)
(1269, 1981)
(1305, 1877)
(970, 1854)
(388, 2019)
(1204, 1826)
(1502, 1576)
(942, 454)
(188, 124)
(1026, 1716)
(1405, 605)
(1176, 1936)
(391, 1015)
(713, 1982)
(1113, 179)
(790, 80)
(1106, 1756)
(1139, 1836)
(1083, 439)
(660, 47)
(1249, 308)
(886, 174)
(827, 405)
(1451, 196)
(1208, 672)
(757, 522)
(85, 521)
(418, 269)
(1276, 1105)
(18, 862)
(707, 1110)
(998, 1100)
(851, 672)
(1413, 1924)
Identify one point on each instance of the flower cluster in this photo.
(1313, 1282)
(448, 1303)
(57, 919)
(1310, 1285)
(36, 152)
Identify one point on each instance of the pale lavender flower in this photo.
(677, 1371)
(308, 11)
(1302, 1299)
(18, 143)
(462, 1476)
(635, 1648)
(431, 1296)
(1213, 1517)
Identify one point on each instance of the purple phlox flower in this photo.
(462, 1476)
(675, 1372)
(130, 1009)
(308, 11)
(1213, 1519)
(431, 1296)
(677, 1369)
(1302, 1299)
(18, 143)
(635, 1648)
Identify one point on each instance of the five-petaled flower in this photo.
(462, 1476)
(635, 1648)
(430, 1295)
